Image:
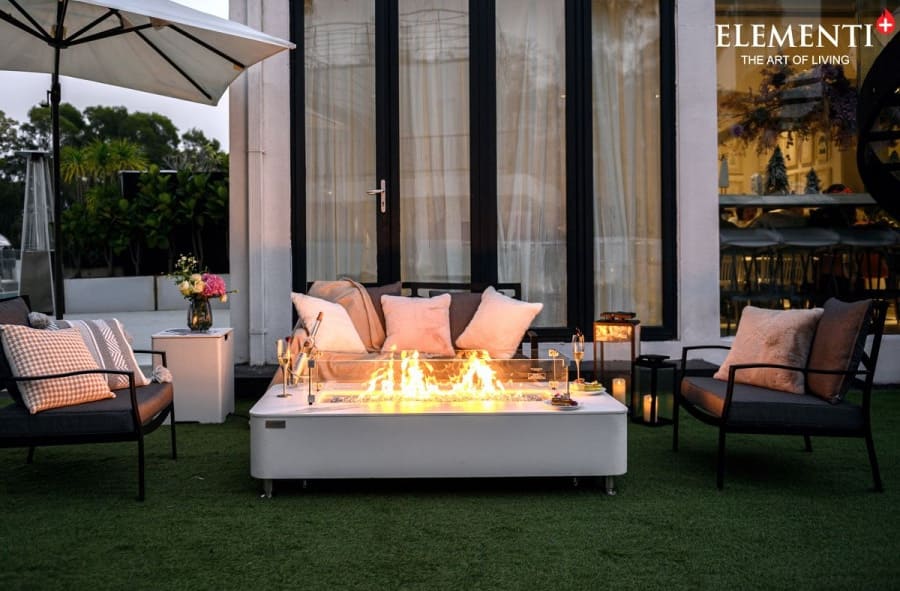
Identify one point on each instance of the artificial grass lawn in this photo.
(786, 520)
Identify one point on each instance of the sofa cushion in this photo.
(772, 336)
(109, 346)
(337, 331)
(101, 417)
(499, 324)
(32, 352)
(375, 293)
(13, 311)
(838, 345)
(753, 407)
(418, 324)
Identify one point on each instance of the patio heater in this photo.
(38, 249)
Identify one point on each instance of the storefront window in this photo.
(793, 205)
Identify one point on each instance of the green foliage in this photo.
(98, 223)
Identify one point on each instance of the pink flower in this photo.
(215, 286)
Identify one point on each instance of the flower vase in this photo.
(199, 315)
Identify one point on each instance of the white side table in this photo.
(202, 366)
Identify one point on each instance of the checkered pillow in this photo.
(109, 345)
(33, 352)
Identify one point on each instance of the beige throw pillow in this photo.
(772, 336)
(418, 324)
(337, 332)
(499, 324)
(33, 352)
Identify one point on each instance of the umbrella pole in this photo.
(59, 305)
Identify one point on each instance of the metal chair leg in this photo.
(675, 408)
(873, 461)
(172, 419)
(720, 467)
(807, 442)
(140, 467)
(29, 459)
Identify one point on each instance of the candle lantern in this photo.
(614, 327)
(652, 392)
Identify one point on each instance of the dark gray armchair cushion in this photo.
(753, 407)
(838, 345)
(102, 417)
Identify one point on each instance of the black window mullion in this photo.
(579, 166)
(483, 142)
(387, 129)
(298, 150)
(668, 172)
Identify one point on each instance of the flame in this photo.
(415, 379)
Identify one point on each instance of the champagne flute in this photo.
(285, 361)
(578, 353)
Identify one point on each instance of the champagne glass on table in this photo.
(285, 360)
(578, 353)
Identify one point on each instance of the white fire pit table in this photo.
(341, 436)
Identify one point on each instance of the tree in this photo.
(199, 153)
(155, 133)
(12, 179)
(73, 130)
(776, 174)
(812, 182)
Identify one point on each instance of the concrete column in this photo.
(260, 191)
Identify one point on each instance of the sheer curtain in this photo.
(627, 243)
(340, 139)
(531, 152)
(434, 140)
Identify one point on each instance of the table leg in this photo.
(609, 483)
(267, 487)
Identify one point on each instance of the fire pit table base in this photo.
(290, 439)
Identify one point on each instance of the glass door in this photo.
(387, 140)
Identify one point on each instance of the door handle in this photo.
(383, 193)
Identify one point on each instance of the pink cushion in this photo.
(772, 336)
(417, 324)
(498, 325)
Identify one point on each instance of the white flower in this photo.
(199, 286)
(185, 288)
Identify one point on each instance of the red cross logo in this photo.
(885, 22)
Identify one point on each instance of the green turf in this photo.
(786, 520)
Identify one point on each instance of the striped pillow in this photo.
(110, 347)
(33, 352)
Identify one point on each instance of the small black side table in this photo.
(653, 363)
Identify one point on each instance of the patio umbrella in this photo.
(152, 45)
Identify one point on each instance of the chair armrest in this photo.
(685, 350)
(162, 354)
(132, 389)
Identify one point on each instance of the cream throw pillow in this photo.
(772, 336)
(417, 324)
(337, 332)
(499, 324)
(34, 352)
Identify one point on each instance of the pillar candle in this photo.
(618, 389)
(648, 408)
